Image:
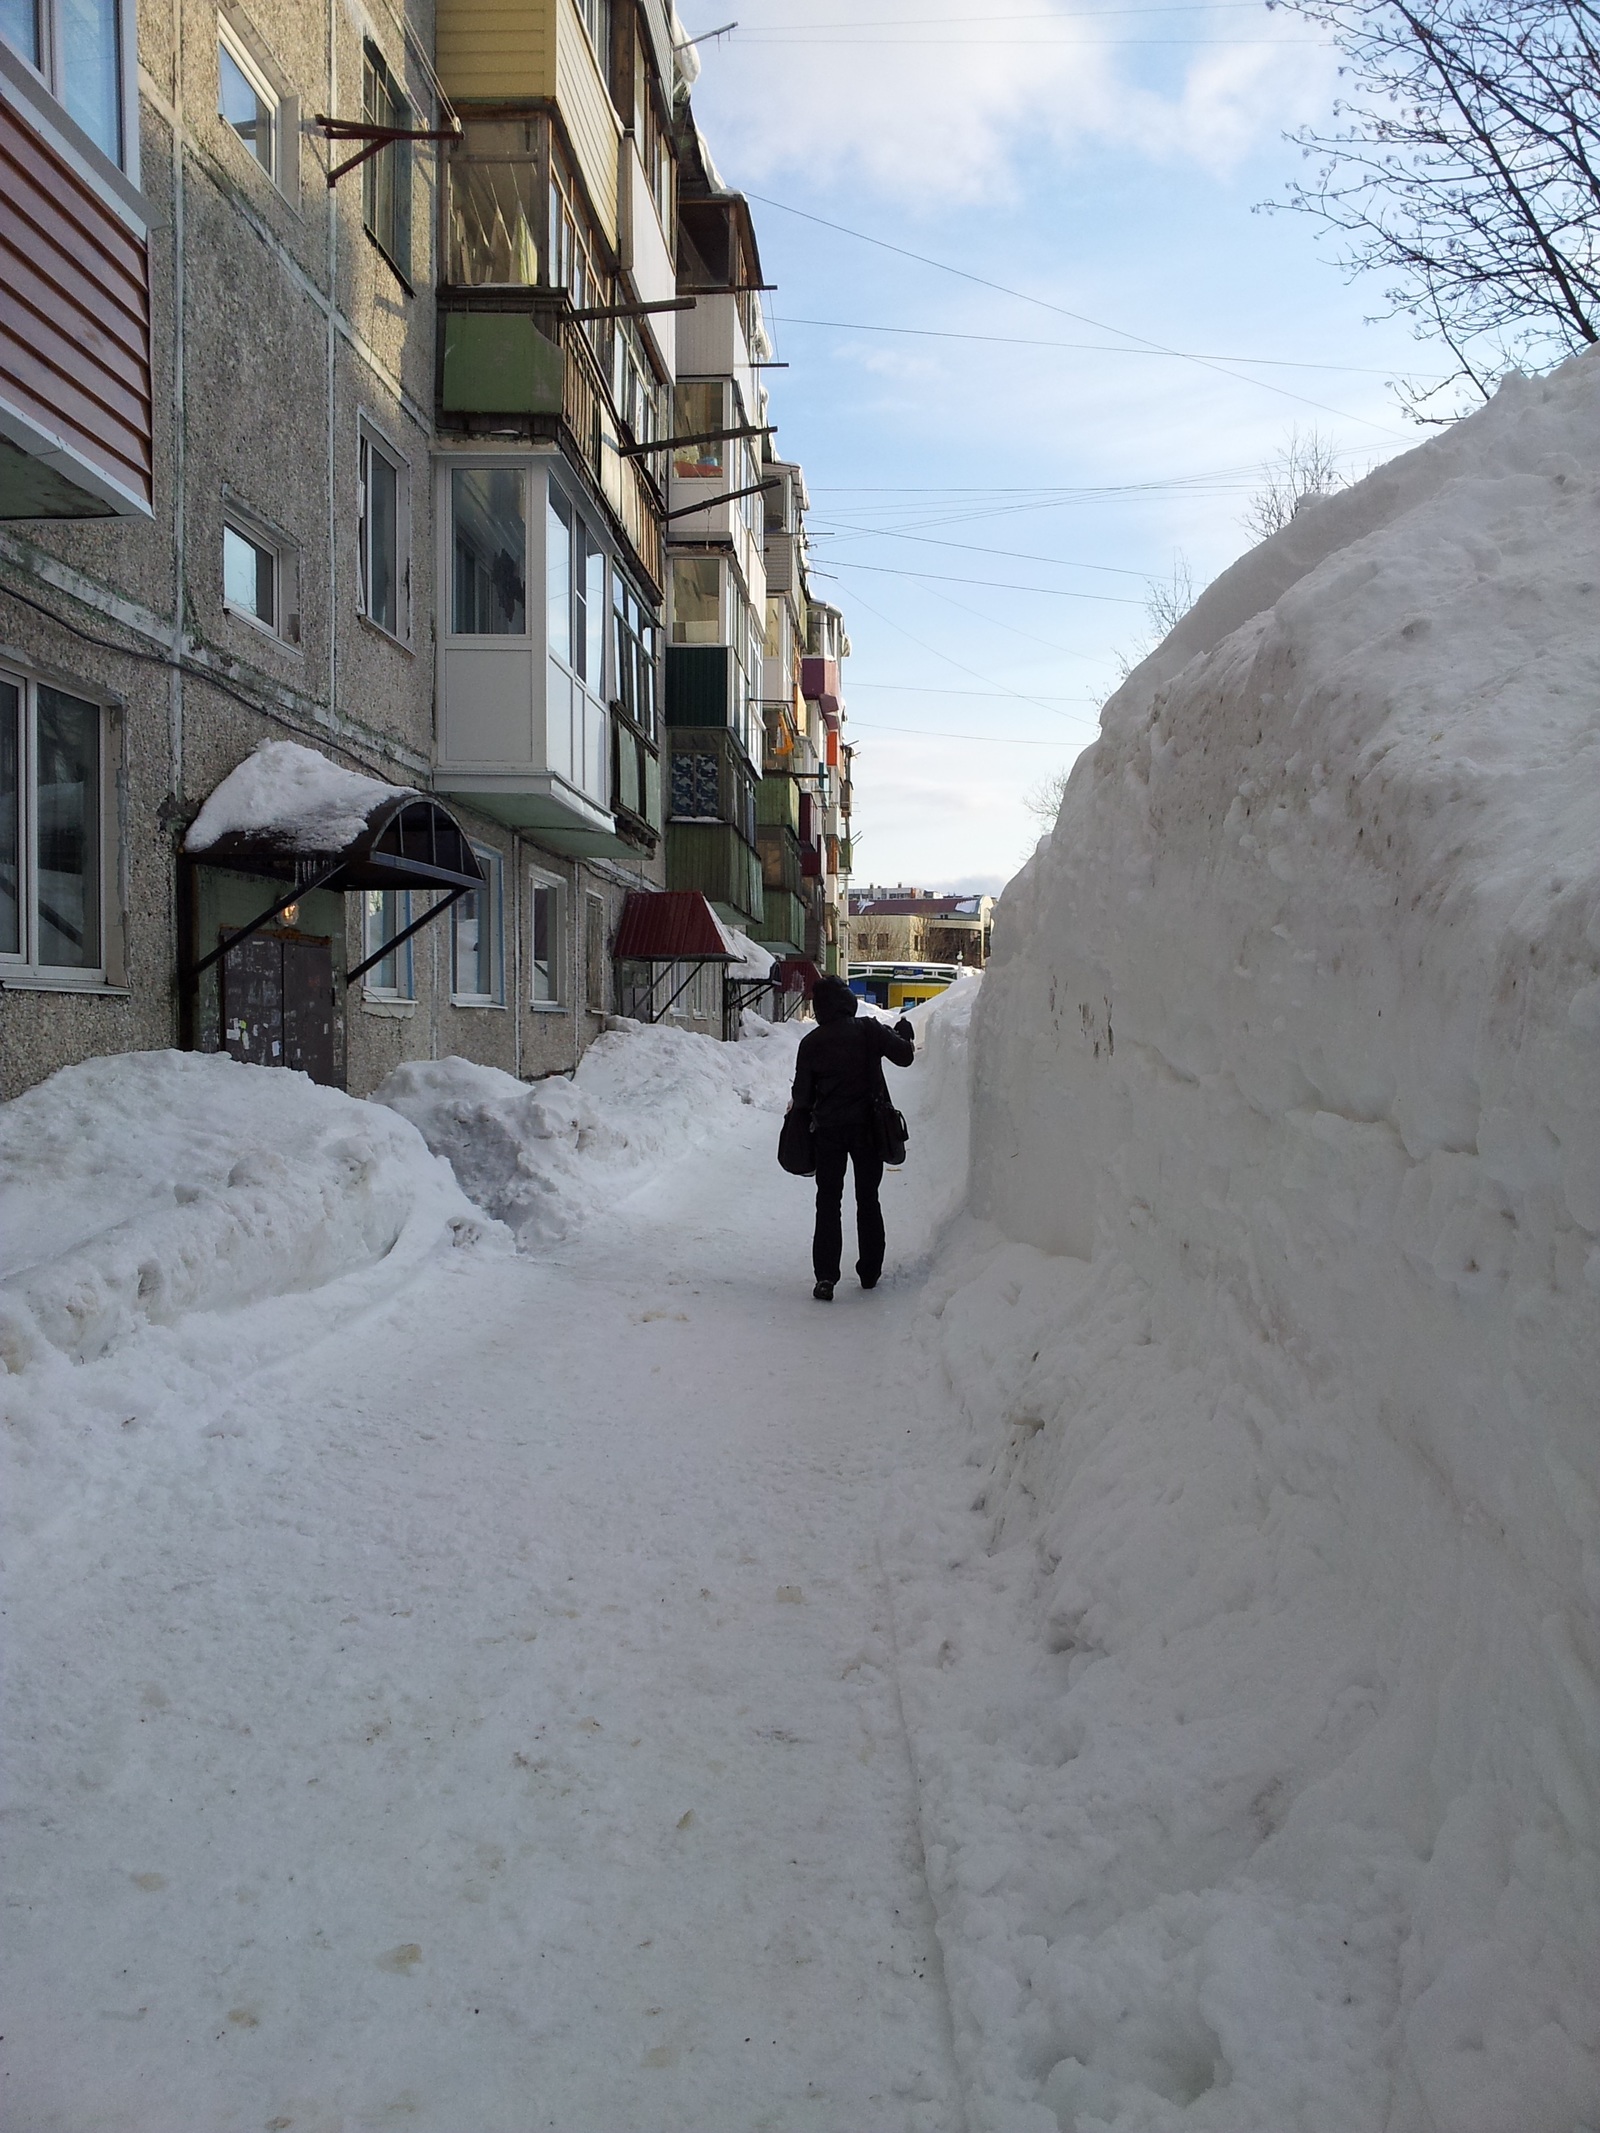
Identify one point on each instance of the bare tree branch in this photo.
(1466, 164)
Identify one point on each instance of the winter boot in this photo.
(823, 1292)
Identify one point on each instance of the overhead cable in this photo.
(1100, 325)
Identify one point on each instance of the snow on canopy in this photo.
(1257, 1744)
(295, 793)
(751, 960)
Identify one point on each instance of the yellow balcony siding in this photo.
(539, 49)
(493, 53)
(585, 107)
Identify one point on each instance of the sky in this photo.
(998, 474)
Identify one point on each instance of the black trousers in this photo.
(835, 1149)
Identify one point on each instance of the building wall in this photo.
(279, 330)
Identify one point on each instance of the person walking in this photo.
(838, 1073)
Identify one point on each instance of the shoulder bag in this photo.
(795, 1151)
(889, 1125)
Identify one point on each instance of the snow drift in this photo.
(1259, 1752)
(543, 1156)
(140, 1189)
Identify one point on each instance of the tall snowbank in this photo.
(1259, 1758)
(139, 1190)
(542, 1157)
(935, 1095)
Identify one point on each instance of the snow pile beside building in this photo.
(1258, 1731)
(139, 1190)
(542, 1157)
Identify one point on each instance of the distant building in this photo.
(918, 926)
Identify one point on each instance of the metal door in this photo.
(308, 1008)
(252, 1002)
(278, 1004)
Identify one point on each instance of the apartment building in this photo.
(715, 541)
(828, 860)
(337, 371)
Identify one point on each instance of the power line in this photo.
(933, 733)
(1013, 340)
(936, 577)
(755, 41)
(1171, 7)
(1100, 326)
(1016, 555)
(1041, 703)
(918, 688)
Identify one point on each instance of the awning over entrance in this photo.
(288, 814)
(671, 926)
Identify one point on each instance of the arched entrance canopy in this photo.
(289, 814)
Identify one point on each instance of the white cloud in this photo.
(934, 112)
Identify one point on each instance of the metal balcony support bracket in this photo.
(605, 311)
(668, 444)
(373, 139)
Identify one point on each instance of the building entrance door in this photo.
(278, 1004)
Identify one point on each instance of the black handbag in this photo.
(889, 1125)
(796, 1153)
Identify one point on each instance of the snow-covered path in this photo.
(488, 1721)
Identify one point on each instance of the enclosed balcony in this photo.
(546, 660)
(76, 428)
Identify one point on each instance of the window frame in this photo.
(493, 864)
(541, 883)
(237, 36)
(23, 968)
(247, 525)
(532, 549)
(702, 462)
(392, 163)
(636, 657)
(403, 992)
(585, 629)
(47, 65)
(682, 564)
(369, 440)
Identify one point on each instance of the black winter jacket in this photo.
(837, 1069)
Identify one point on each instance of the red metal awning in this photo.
(670, 926)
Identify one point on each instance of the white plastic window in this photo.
(383, 510)
(477, 977)
(51, 830)
(386, 912)
(545, 915)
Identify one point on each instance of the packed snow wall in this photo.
(1293, 1033)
